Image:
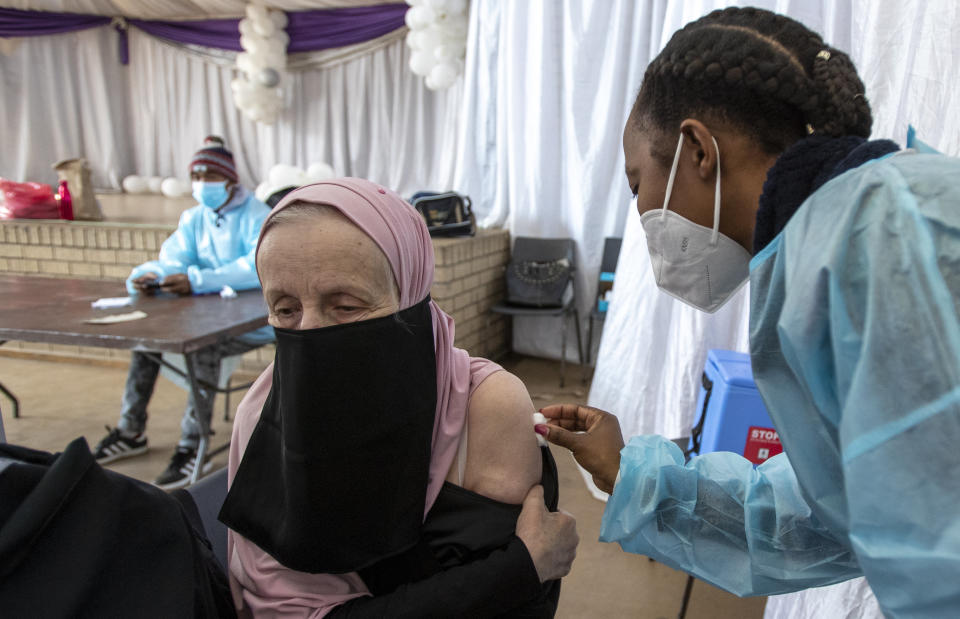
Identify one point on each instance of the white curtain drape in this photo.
(548, 86)
(67, 96)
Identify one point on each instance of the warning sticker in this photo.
(762, 444)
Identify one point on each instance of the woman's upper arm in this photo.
(503, 458)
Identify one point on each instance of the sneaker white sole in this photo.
(184, 481)
(123, 454)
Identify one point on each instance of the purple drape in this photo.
(308, 30)
(14, 23)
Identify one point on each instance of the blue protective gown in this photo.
(855, 344)
(211, 255)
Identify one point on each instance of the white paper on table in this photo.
(107, 320)
(228, 293)
(112, 302)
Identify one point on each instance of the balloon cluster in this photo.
(264, 42)
(437, 40)
(284, 175)
(171, 187)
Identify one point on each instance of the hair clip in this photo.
(823, 55)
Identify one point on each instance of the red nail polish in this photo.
(541, 429)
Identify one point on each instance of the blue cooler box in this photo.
(732, 414)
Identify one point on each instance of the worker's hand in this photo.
(141, 282)
(178, 283)
(592, 435)
(550, 537)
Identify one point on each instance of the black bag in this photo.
(446, 214)
(538, 283)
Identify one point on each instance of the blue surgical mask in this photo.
(211, 195)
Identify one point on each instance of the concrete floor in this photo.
(61, 401)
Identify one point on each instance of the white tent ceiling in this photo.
(176, 9)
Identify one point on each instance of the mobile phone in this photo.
(153, 284)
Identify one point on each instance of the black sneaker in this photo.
(180, 469)
(115, 446)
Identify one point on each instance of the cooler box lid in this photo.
(732, 367)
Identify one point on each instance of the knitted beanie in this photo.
(214, 157)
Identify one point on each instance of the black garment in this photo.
(79, 541)
(468, 563)
(801, 170)
(335, 475)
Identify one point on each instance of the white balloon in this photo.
(422, 63)
(134, 184)
(442, 76)
(320, 171)
(261, 191)
(414, 2)
(283, 175)
(279, 19)
(255, 11)
(283, 37)
(248, 42)
(444, 52)
(432, 38)
(418, 17)
(245, 63)
(246, 27)
(171, 187)
(154, 183)
(264, 28)
(415, 39)
(275, 46)
(457, 27)
(455, 7)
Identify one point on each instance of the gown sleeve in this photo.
(745, 530)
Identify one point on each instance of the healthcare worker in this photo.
(747, 149)
(213, 247)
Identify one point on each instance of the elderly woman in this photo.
(356, 488)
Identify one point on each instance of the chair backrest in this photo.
(208, 494)
(527, 248)
(541, 273)
(611, 253)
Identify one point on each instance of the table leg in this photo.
(204, 428)
(13, 399)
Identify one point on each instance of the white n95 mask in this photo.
(697, 265)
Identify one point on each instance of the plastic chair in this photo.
(608, 266)
(544, 250)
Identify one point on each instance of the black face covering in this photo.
(334, 477)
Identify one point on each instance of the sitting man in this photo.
(212, 247)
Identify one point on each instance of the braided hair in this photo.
(767, 75)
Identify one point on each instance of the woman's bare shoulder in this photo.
(503, 459)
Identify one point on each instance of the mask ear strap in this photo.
(716, 199)
(673, 176)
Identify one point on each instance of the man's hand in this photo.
(178, 283)
(141, 282)
(550, 537)
(592, 435)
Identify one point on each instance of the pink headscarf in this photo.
(268, 588)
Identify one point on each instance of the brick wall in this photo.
(468, 279)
